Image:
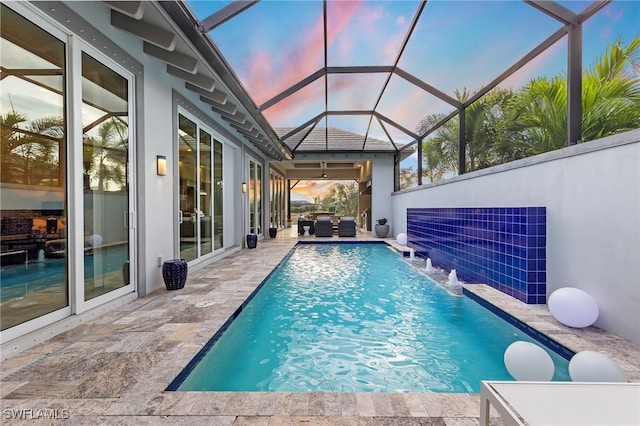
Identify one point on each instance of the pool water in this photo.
(356, 318)
(17, 280)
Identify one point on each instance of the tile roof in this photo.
(331, 139)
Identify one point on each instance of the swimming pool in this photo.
(355, 318)
(17, 280)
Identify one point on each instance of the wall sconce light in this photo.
(244, 187)
(161, 163)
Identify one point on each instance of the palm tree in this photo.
(505, 125)
(439, 150)
(611, 92)
(31, 156)
(485, 125)
(106, 156)
(610, 102)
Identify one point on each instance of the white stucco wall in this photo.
(382, 188)
(592, 195)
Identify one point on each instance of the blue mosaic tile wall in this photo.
(504, 247)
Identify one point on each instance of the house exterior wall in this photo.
(156, 121)
(155, 99)
(591, 193)
(382, 187)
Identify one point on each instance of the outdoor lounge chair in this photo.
(324, 226)
(347, 227)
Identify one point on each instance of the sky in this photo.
(308, 190)
(455, 45)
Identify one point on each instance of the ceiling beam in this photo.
(146, 31)
(519, 64)
(386, 132)
(350, 112)
(403, 46)
(309, 130)
(427, 87)
(178, 60)
(291, 90)
(592, 9)
(396, 125)
(555, 10)
(224, 14)
(313, 121)
(360, 69)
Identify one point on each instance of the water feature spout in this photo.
(453, 282)
(429, 268)
(41, 255)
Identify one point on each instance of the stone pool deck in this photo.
(114, 369)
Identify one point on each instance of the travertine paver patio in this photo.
(114, 369)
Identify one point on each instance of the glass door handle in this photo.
(179, 216)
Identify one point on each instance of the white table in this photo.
(561, 403)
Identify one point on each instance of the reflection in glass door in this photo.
(255, 198)
(204, 208)
(188, 163)
(33, 188)
(200, 190)
(105, 147)
(217, 195)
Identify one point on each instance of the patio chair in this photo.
(302, 224)
(324, 226)
(347, 226)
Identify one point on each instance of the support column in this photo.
(574, 85)
(462, 142)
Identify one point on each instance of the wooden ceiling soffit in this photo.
(176, 59)
(146, 31)
(200, 80)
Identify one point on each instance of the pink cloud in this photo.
(301, 61)
(302, 57)
(339, 14)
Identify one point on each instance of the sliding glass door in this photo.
(66, 189)
(200, 190)
(106, 206)
(255, 197)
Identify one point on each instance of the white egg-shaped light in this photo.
(590, 366)
(526, 361)
(401, 238)
(573, 307)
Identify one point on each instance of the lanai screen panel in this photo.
(304, 61)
